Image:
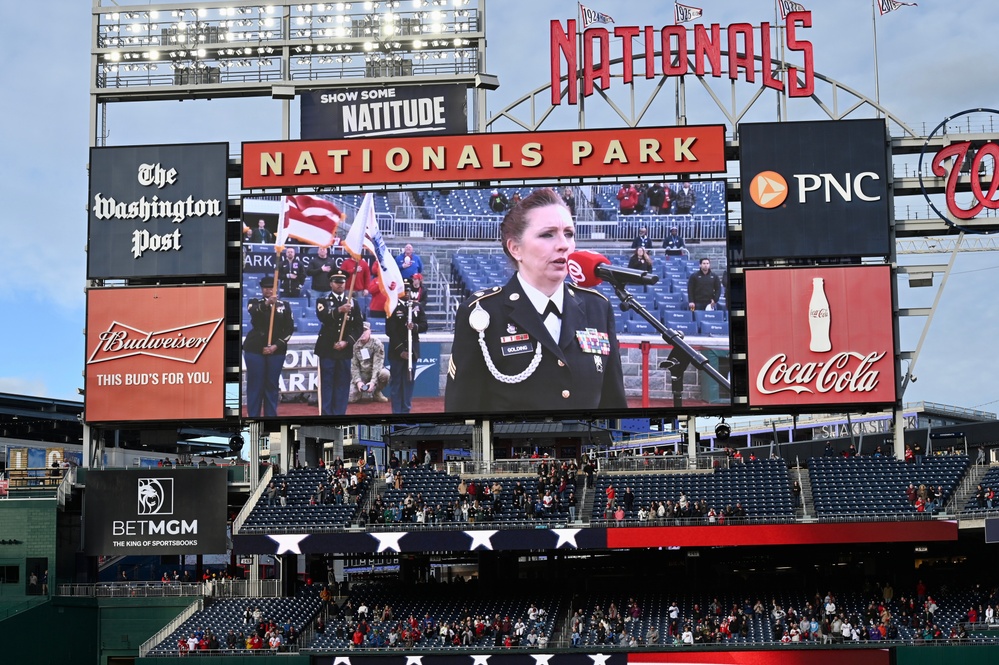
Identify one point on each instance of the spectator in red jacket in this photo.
(627, 198)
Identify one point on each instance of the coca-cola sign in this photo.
(969, 167)
(155, 354)
(820, 336)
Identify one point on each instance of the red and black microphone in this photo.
(589, 269)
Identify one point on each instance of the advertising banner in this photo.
(621, 656)
(390, 110)
(820, 336)
(157, 211)
(815, 189)
(323, 540)
(155, 353)
(155, 511)
(655, 151)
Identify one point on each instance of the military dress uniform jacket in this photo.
(398, 333)
(581, 372)
(260, 321)
(332, 319)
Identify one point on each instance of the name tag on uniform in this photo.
(516, 348)
(592, 341)
(365, 354)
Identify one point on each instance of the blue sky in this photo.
(933, 60)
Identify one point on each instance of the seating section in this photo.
(221, 616)
(436, 488)
(474, 272)
(989, 481)
(877, 485)
(439, 491)
(762, 488)
(839, 487)
(464, 214)
(698, 609)
(710, 201)
(448, 604)
(298, 514)
(456, 606)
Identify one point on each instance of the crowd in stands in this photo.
(374, 620)
(556, 492)
(339, 485)
(553, 493)
(373, 617)
(821, 620)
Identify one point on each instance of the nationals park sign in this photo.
(678, 46)
(476, 157)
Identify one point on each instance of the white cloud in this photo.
(22, 386)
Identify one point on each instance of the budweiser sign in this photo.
(184, 344)
(820, 336)
(155, 354)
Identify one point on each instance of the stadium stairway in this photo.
(966, 489)
(807, 506)
(585, 510)
(378, 486)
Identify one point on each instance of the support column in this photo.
(899, 433)
(692, 442)
(486, 442)
(256, 432)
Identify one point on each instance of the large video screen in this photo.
(429, 315)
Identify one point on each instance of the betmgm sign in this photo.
(156, 511)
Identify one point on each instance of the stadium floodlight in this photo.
(287, 38)
(485, 81)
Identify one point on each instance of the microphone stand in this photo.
(682, 354)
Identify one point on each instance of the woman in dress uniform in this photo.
(537, 343)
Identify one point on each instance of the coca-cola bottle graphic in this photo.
(818, 318)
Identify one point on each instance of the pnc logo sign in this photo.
(768, 189)
(814, 189)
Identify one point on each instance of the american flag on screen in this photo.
(309, 219)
